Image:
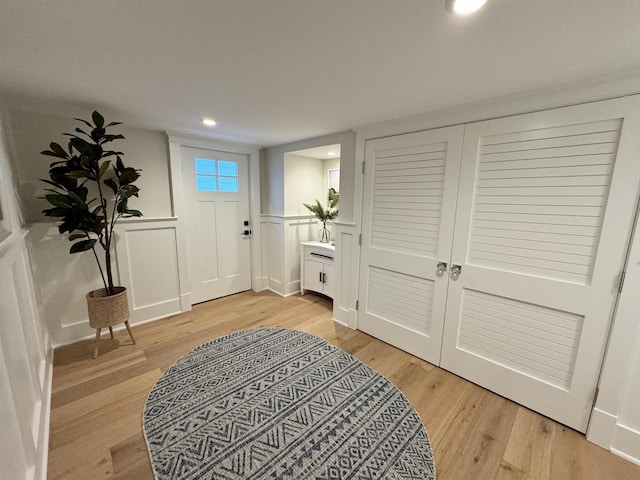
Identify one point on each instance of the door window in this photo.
(216, 175)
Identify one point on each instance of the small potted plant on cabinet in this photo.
(91, 190)
(325, 214)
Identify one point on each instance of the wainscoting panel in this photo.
(26, 360)
(148, 264)
(262, 281)
(299, 229)
(346, 263)
(275, 247)
(280, 245)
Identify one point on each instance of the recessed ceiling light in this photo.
(209, 122)
(464, 7)
(331, 154)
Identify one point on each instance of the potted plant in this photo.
(325, 214)
(91, 190)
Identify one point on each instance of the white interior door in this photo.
(544, 211)
(216, 190)
(408, 208)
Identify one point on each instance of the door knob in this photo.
(441, 268)
(456, 270)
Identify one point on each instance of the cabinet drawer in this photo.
(319, 254)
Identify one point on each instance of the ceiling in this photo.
(326, 152)
(276, 71)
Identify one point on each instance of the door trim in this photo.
(176, 141)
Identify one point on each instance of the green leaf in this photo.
(58, 200)
(133, 213)
(56, 212)
(82, 246)
(128, 191)
(56, 151)
(50, 182)
(78, 201)
(103, 169)
(121, 206)
(128, 175)
(76, 236)
(110, 138)
(78, 174)
(110, 153)
(84, 121)
(109, 182)
(97, 119)
(113, 124)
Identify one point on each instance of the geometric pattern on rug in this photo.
(273, 403)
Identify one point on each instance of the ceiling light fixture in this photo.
(209, 122)
(464, 7)
(331, 154)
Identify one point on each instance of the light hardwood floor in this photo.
(96, 417)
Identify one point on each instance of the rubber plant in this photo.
(325, 214)
(91, 191)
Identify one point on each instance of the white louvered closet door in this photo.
(545, 207)
(408, 211)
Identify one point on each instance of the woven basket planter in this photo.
(107, 311)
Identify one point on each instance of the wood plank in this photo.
(96, 427)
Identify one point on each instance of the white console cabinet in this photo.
(316, 267)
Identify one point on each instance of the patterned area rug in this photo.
(276, 403)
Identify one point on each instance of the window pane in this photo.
(230, 169)
(205, 167)
(206, 184)
(228, 184)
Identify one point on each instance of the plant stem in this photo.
(100, 268)
(107, 238)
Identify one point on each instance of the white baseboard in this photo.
(157, 310)
(605, 431)
(185, 302)
(45, 416)
(344, 324)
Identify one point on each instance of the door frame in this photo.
(176, 142)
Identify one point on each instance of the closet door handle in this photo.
(320, 277)
(456, 271)
(441, 268)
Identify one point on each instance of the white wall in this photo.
(143, 149)
(273, 172)
(26, 357)
(271, 182)
(329, 164)
(302, 183)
